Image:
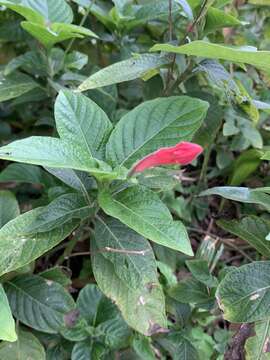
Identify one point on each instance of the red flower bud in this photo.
(182, 153)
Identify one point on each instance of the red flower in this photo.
(182, 153)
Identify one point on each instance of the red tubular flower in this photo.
(182, 153)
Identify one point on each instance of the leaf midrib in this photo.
(146, 222)
(42, 305)
(59, 218)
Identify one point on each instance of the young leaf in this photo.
(39, 303)
(142, 210)
(199, 269)
(83, 123)
(247, 55)
(143, 309)
(56, 32)
(15, 85)
(244, 293)
(7, 329)
(26, 347)
(252, 229)
(162, 122)
(191, 291)
(9, 207)
(217, 19)
(126, 70)
(103, 316)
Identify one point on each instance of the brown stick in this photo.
(236, 350)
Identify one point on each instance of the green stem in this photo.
(80, 24)
(203, 173)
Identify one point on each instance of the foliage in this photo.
(118, 238)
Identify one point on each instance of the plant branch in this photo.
(80, 24)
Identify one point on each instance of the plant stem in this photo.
(80, 24)
(205, 165)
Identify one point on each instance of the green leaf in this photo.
(199, 269)
(18, 247)
(39, 303)
(162, 122)
(25, 348)
(142, 308)
(76, 60)
(83, 123)
(186, 7)
(142, 210)
(252, 229)
(159, 179)
(90, 294)
(217, 19)
(58, 274)
(140, 15)
(9, 207)
(27, 12)
(51, 10)
(134, 265)
(7, 329)
(52, 152)
(135, 269)
(256, 346)
(212, 122)
(251, 196)
(86, 350)
(56, 32)
(15, 85)
(260, 2)
(105, 319)
(244, 166)
(62, 210)
(247, 55)
(78, 180)
(33, 62)
(23, 173)
(142, 347)
(100, 10)
(265, 155)
(191, 291)
(126, 70)
(179, 347)
(41, 11)
(244, 293)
